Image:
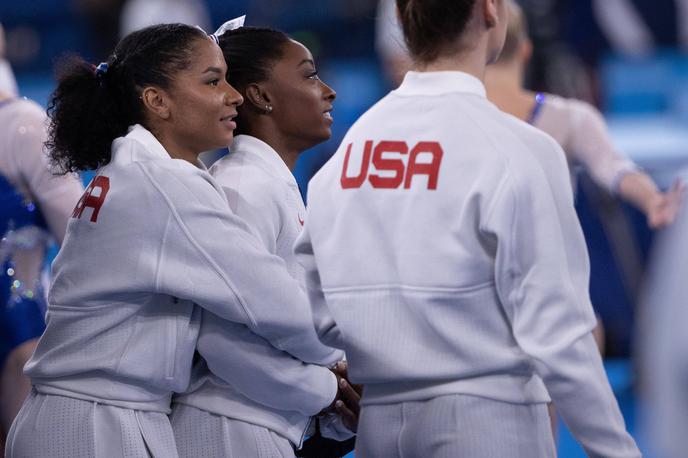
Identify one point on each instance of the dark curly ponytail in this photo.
(94, 105)
(432, 25)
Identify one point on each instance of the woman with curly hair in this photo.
(150, 243)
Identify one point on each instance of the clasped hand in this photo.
(346, 403)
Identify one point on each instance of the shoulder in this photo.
(236, 174)
(571, 105)
(184, 179)
(565, 110)
(252, 193)
(535, 141)
(25, 126)
(239, 166)
(534, 153)
(177, 182)
(27, 118)
(379, 110)
(28, 109)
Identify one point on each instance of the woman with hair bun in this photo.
(150, 243)
(443, 255)
(257, 400)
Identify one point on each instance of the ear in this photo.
(491, 12)
(155, 100)
(258, 97)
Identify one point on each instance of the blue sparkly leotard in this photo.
(22, 303)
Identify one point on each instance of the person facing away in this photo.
(238, 395)
(443, 255)
(577, 126)
(151, 242)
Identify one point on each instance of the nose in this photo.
(329, 94)
(232, 96)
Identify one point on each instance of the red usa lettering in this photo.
(90, 200)
(399, 171)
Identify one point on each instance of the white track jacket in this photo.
(443, 254)
(251, 380)
(150, 238)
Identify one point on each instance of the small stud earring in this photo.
(268, 108)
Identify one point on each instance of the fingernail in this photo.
(339, 404)
(342, 383)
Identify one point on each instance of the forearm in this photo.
(261, 372)
(638, 189)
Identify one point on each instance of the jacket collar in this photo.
(151, 144)
(254, 147)
(437, 83)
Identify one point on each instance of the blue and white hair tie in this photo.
(100, 70)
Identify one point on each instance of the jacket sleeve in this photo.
(210, 256)
(332, 427)
(55, 195)
(268, 376)
(325, 326)
(541, 275)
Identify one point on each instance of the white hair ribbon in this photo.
(229, 25)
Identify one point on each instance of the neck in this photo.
(176, 150)
(505, 76)
(191, 158)
(286, 149)
(504, 83)
(470, 63)
(470, 56)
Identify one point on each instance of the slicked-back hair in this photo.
(251, 53)
(430, 26)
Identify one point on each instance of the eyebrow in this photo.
(306, 61)
(213, 70)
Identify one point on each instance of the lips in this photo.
(229, 121)
(327, 114)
